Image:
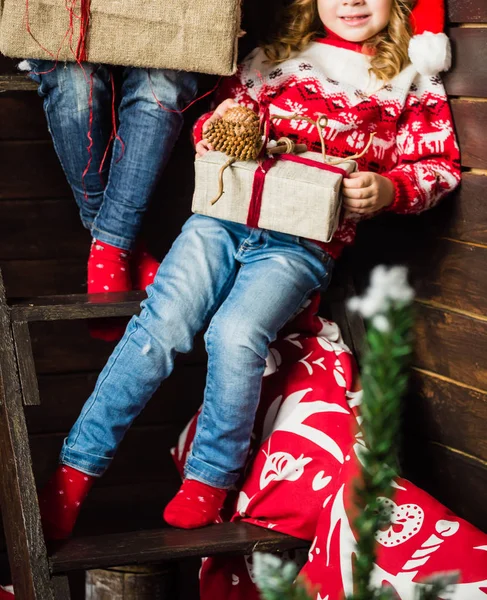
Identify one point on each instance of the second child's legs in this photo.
(145, 139)
(112, 191)
(148, 133)
(78, 105)
(65, 88)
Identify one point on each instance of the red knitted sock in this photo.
(144, 267)
(60, 501)
(195, 505)
(108, 271)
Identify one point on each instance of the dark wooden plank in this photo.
(62, 397)
(16, 82)
(441, 270)
(143, 456)
(469, 74)
(120, 508)
(31, 170)
(41, 222)
(126, 507)
(170, 544)
(467, 11)
(457, 480)
(78, 306)
(470, 117)
(452, 345)
(25, 362)
(22, 116)
(61, 347)
(455, 275)
(462, 216)
(25, 278)
(60, 586)
(66, 347)
(8, 65)
(443, 411)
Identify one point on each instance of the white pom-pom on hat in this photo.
(430, 53)
(429, 49)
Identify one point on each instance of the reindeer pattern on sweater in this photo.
(414, 143)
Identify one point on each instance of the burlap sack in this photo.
(191, 35)
(298, 199)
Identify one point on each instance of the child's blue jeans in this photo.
(246, 284)
(113, 202)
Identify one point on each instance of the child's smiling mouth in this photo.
(355, 20)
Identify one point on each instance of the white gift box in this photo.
(301, 194)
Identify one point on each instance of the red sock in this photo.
(195, 505)
(108, 271)
(60, 501)
(144, 267)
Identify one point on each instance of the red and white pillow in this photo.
(300, 481)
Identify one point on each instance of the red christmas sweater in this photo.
(414, 143)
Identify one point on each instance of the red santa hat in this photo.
(429, 49)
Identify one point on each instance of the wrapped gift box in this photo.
(300, 194)
(174, 34)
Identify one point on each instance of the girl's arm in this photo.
(428, 162)
(429, 157)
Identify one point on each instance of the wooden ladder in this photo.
(40, 572)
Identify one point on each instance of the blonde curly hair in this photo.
(301, 24)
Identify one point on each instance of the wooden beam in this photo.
(18, 498)
(25, 363)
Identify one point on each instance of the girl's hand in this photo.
(365, 193)
(203, 146)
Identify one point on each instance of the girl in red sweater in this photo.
(347, 59)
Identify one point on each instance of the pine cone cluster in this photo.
(237, 134)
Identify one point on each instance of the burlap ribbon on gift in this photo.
(174, 34)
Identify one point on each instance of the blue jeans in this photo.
(246, 284)
(113, 202)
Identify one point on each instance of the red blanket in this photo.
(300, 480)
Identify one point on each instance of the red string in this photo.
(89, 136)
(29, 31)
(114, 133)
(186, 107)
(83, 30)
(80, 54)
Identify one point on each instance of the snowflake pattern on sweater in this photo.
(414, 143)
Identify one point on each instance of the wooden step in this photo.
(159, 545)
(76, 306)
(16, 83)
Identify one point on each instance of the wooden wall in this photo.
(43, 250)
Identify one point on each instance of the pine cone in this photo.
(237, 134)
